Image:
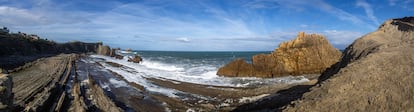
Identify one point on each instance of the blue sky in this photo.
(199, 25)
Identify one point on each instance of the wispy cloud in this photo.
(341, 14)
(14, 16)
(183, 39)
(341, 38)
(368, 10)
(301, 5)
(392, 2)
(185, 25)
(262, 4)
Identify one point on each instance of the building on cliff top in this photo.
(4, 30)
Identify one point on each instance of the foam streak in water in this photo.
(204, 75)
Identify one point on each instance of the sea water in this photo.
(192, 67)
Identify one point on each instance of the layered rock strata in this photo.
(375, 74)
(306, 54)
(18, 50)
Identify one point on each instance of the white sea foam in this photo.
(160, 66)
(203, 74)
(118, 83)
(106, 86)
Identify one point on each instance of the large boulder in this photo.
(103, 50)
(237, 67)
(375, 74)
(135, 59)
(306, 54)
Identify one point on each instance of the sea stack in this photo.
(374, 74)
(306, 54)
(103, 50)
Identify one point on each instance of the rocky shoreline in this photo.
(373, 74)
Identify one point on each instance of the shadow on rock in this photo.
(275, 101)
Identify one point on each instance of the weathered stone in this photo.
(6, 94)
(135, 59)
(307, 54)
(237, 67)
(112, 53)
(374, 74)
(103, 50)
(117, 56)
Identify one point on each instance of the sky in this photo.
(199, 25)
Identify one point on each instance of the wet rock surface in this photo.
(52, 84)
(306, 54)
(135, 59)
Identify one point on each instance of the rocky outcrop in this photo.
(6, 95)
(103, 50)
(374, 74)
(135, 59)
(306, 54)
(107, 51)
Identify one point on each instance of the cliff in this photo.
(17, 49)
(306, 54)
(374, 74)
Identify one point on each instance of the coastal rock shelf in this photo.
(73, 82)
(306, 54)
(51, 84)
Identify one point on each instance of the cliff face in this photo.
(16, 45)
(374, 74)
(306, 54)
(17, 50)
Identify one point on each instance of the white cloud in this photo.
(368, 10)
(392, 2)
(262, 4)
(303, 25)
(183, 39)
(154, 27)
(341, 14)
(340, 38)
(17, 16)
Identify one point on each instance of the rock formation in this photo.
(107, 51)
(17, 50)
(103, 50)
(307, 54)
(135, 59)
(374, 74)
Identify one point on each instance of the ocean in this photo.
(192, 67)
(169, 73)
